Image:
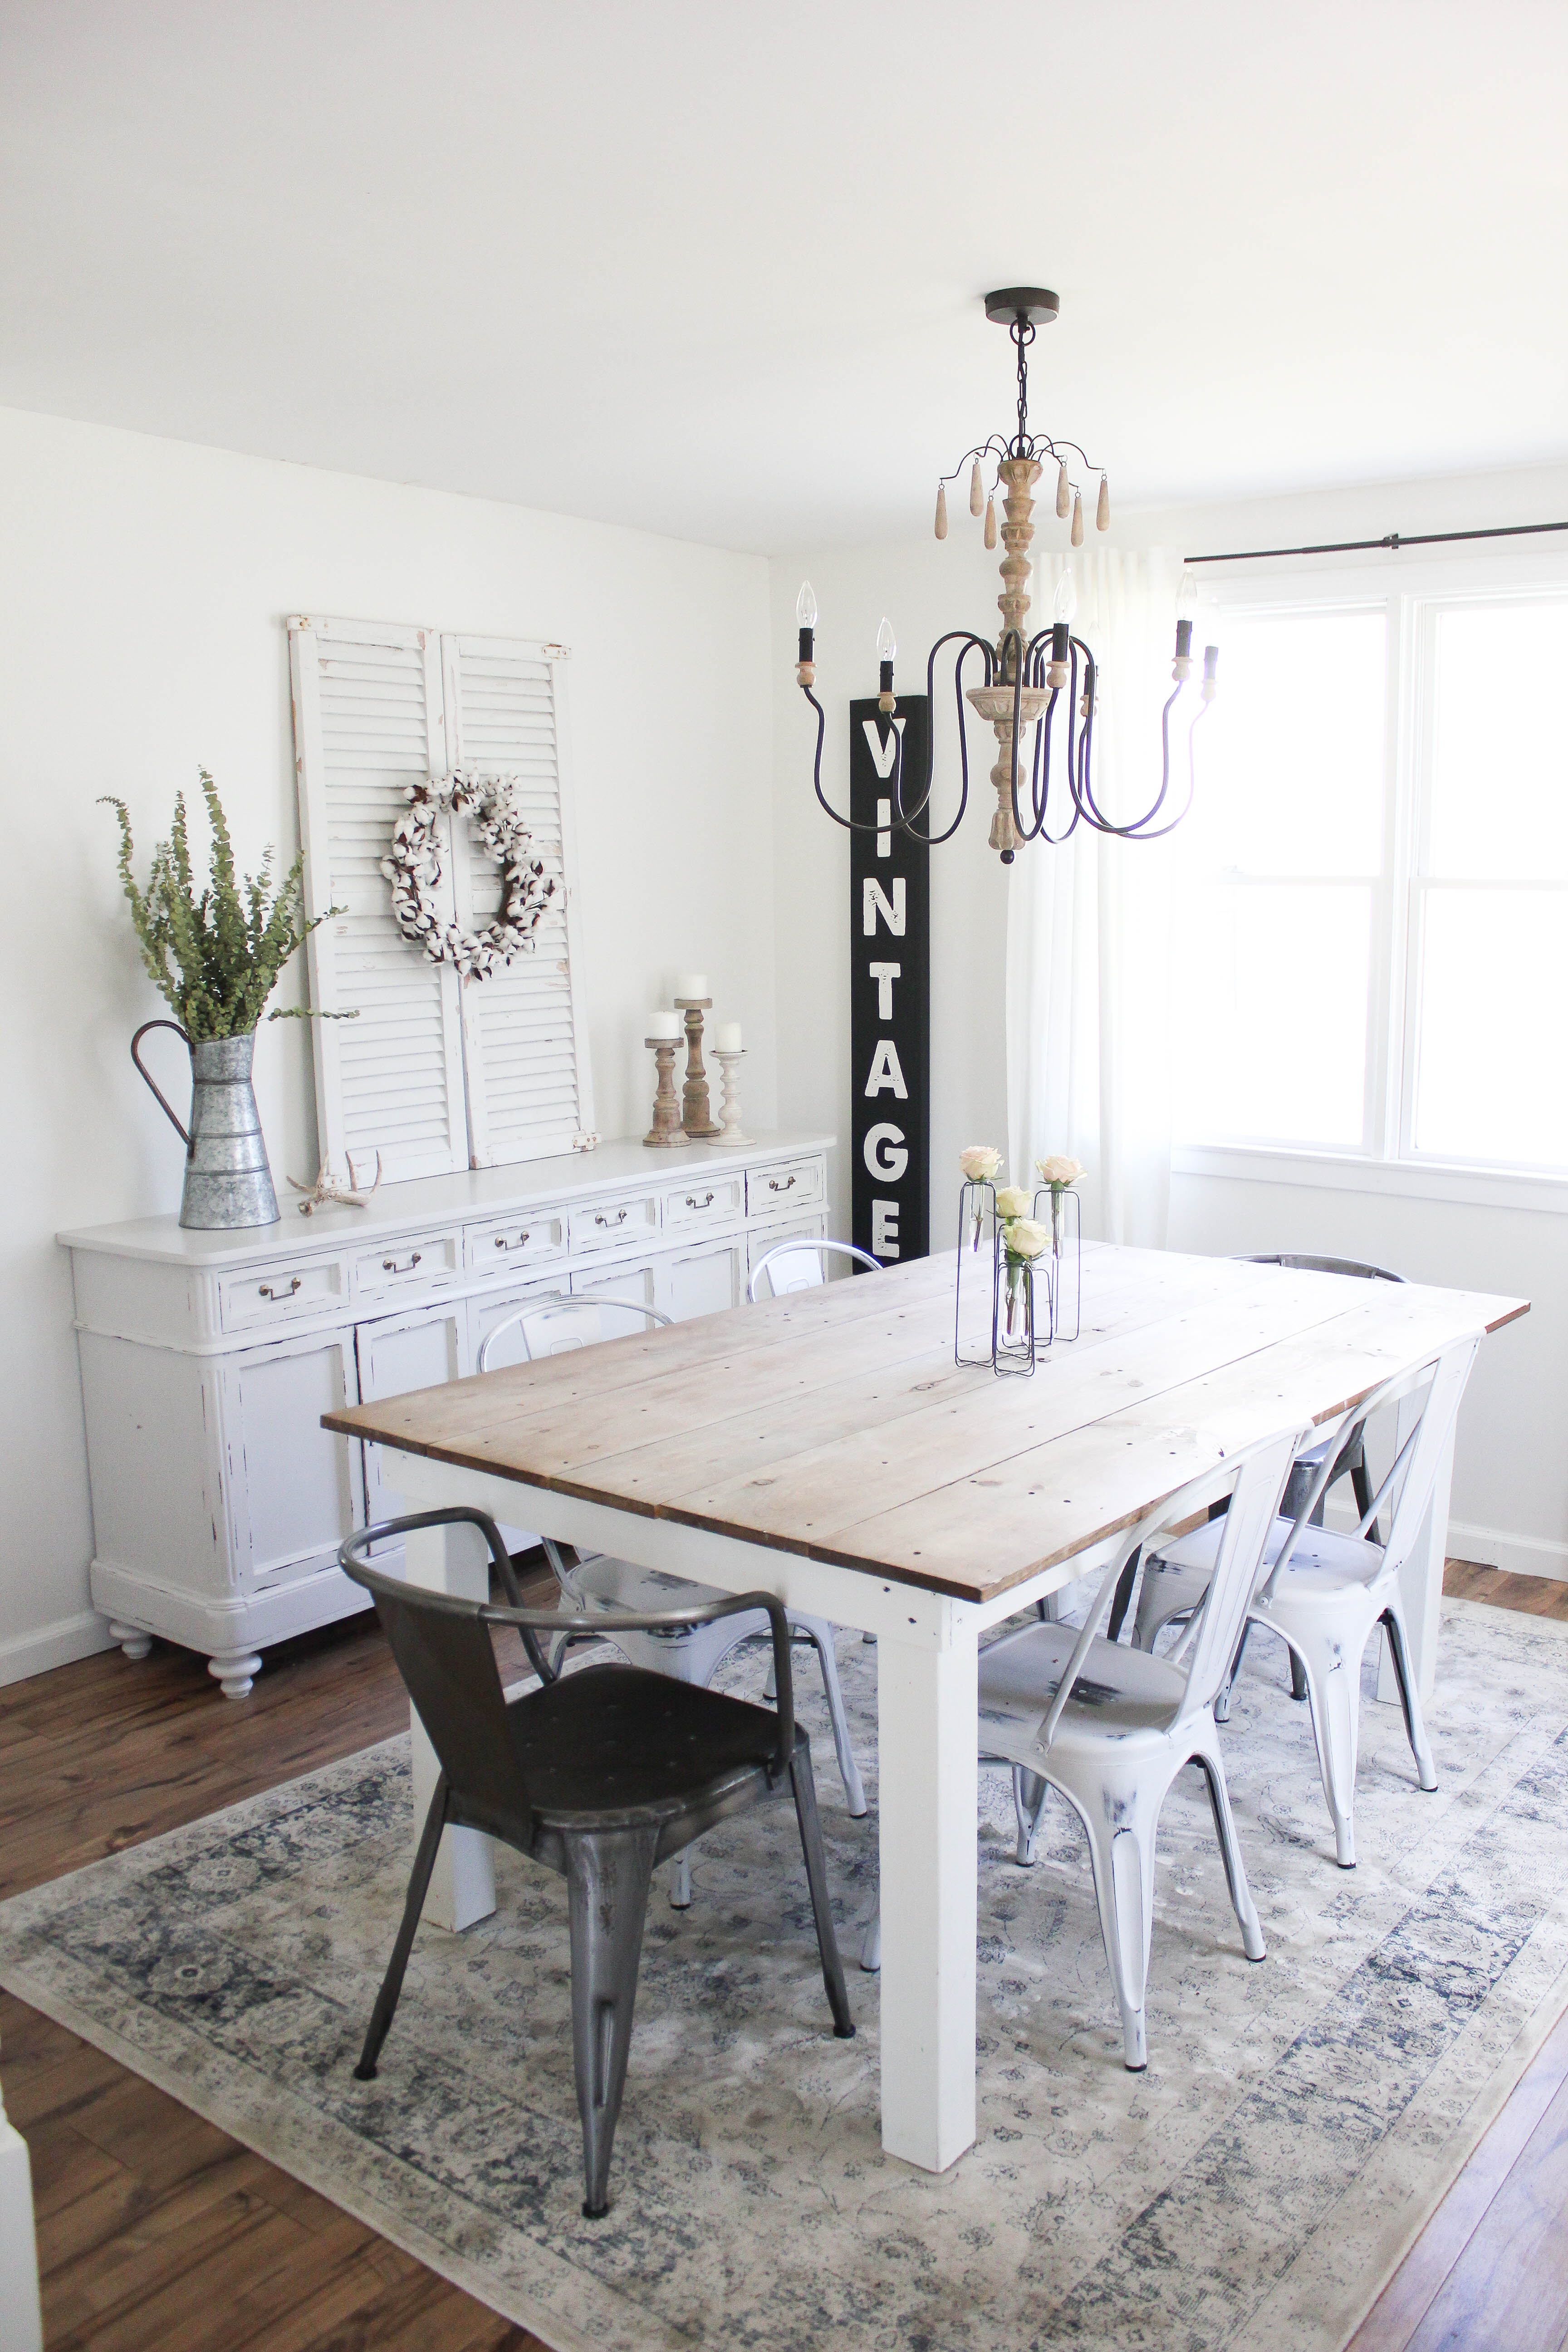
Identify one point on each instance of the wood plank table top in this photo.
(833, 1422)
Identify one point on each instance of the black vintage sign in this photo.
(890, 989)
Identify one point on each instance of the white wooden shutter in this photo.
(524, 1031)
(369, 719)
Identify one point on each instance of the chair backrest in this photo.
(797, 1265)
(1354, 1267)
(1436, 1384)
(1253, 1479)
(554, 1324)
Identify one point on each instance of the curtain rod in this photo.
(1394, 540)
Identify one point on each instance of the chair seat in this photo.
(1123, 1694)
(617, 1739)
(1324, 1566)
(606, 1583)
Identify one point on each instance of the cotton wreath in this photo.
(413, 869)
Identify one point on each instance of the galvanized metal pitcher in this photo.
(227, 1179)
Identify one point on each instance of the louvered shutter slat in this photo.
(368, 717)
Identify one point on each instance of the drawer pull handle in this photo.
(267, 1292)
(618, 1219)
(775, 1186)
(502, 1242)
(693, 1203)
(390, 1264)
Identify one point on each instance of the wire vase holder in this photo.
(1065, 1272)
(1013, 1329)
(977, 1226)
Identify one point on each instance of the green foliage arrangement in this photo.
(215, 959)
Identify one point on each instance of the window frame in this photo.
(1410, 592)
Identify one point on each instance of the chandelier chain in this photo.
(1023, 334)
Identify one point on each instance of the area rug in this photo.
(1255, 2187)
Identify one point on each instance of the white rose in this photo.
(1022, 1237)
(1012, 1200)
(979, 1162)
(1059, 1170)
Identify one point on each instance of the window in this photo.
(1373, 883)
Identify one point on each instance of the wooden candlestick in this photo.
(667, 1129)
(729, 1068)
(696, 1113)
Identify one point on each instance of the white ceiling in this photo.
(712, 265)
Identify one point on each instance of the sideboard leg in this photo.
(131, 1638)
(234, 1672)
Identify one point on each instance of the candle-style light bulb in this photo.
(1103, 511)
(1064, 489)
(976, 489)
(805, 620)
(942, 510)
(1187, 597)
(887, 648)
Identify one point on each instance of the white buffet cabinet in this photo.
(208, 1359)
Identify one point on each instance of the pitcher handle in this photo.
(176, 1124)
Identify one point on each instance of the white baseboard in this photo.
(1520, 1555)
(55, 1645)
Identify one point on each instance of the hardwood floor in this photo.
(159, 2233)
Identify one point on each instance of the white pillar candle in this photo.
(691, 983)
(727, 1037)
(663, 1025)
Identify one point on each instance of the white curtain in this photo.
(1089, 924)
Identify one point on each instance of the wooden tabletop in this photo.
(835, 1422)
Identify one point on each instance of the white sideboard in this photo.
(208, 1359)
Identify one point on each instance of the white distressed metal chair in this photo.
(797, 1265)
(1110, 1727)
(594, 1583)
(1323, 1590)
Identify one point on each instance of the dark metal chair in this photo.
(598, 1774)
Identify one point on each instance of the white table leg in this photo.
(1421, 1588)
(450, 1560)
(21, 2329)
(926, 1722)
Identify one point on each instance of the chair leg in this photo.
(1298, 1677)
(849, 1770)
(1415, 1726)
(1333, 1694)
(871, 1943)
(1122, 1597)
(805, 1789)
(1122, 1852)
(1213, 1769)
(1029, 1793)
(385, 2007)
(608, 1873)
(1221, 1704)
(681, 1880)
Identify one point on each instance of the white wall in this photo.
(143, 589)
(1511, 1491)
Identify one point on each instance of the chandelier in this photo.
(1022, 679)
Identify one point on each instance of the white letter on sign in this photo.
(874, 902)
(885, 1070)
(885, 1153)
(884, 974)
(884, 1229)
(882, 754)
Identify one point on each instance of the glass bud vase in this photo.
(1065, 1272)
(1013, 1319)
(976, 1229)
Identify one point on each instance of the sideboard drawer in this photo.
(266, 1295)
(706, 1201)
(788, 1184)
(503, 1244)
(395, 1266)
(612, 1222)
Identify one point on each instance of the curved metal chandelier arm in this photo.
(1142, 828)
(971, 643)
(853, 824)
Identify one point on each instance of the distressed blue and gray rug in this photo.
(1297, 2123)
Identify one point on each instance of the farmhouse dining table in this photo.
(825, 1446)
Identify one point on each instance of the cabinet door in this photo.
(294, 1491)
(420, 1349)
(705, 1280)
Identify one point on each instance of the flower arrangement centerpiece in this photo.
(976, 1205)
(1058, 1175)
(1020, 1240)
